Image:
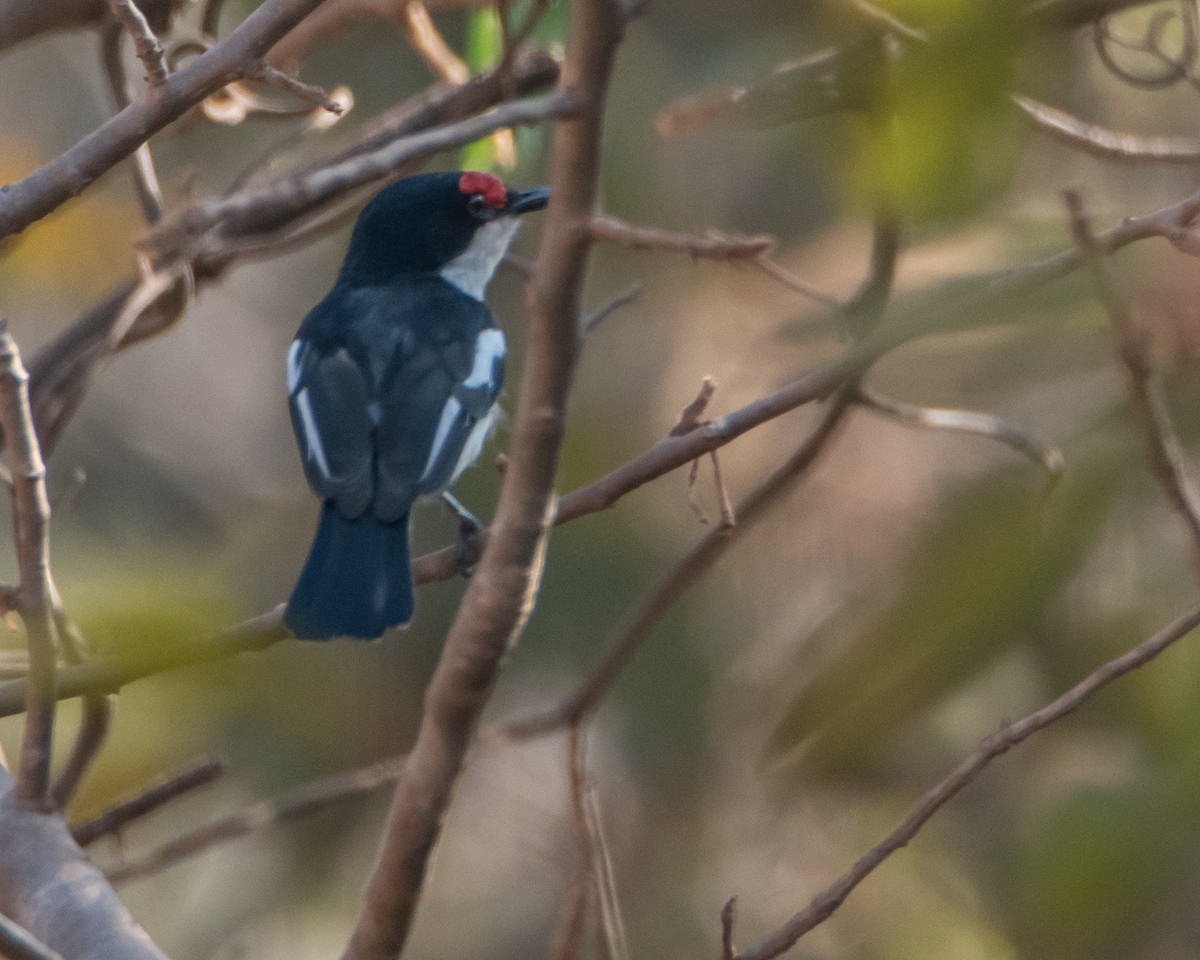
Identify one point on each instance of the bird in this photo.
(393, 381)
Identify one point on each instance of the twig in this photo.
(727, 917)
(1045, 456)
(17, 943)
(31, 518)
(425, 38)
(145, 43)
(712, 245)
(141, 167)
(256, 205)
(117, 817)
(613, 942)
(822, 906)
(689, 420)
(76, 168)
(689, 416)
(502, 591)
(302, 801)
(1103, 142)
(1166, 457)
(584, 890)
(876, 16)
(773, 269)
(308, 93)
(644, 617)
(623, 299)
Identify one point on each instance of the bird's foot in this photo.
(468, 546)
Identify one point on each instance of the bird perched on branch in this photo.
(392, 381)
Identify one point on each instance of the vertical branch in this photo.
(31, 516)
(145, 43)
(1166, 458)
(502, 592)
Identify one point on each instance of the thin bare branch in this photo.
(773, 269)
(1045, 456)
(308, 93)
(73, 170)
(712, 245)
(502, 591)
(584, 890)
(613, 941)
(258, 205)
(17, 943)
(428, 41)
(145, 43)
(623, 299)
(645, 616)
(1102, 142)
(117, 817)
(31, 518)
(97, 715)
(296, 804)
(823, 905)
(877, 17)
(1166, 457)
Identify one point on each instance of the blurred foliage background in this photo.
(915, 590)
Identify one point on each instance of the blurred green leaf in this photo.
(950, 140)
(485, 46)
(980, 579)
(1091, 870)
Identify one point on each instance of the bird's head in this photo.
(457, 224)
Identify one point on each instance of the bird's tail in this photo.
(357, 581)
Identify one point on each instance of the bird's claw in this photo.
(467, 546)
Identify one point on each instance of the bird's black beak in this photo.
(525, 201)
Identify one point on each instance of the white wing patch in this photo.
(475, 440)
(316, 449)
(489, 347)
(471, 270)
(294, 355)
(450, 414)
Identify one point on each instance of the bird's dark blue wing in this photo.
(330, 402)
(437, 402)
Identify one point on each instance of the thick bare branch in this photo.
(823, 905)
(500, 596)
(48, 886)
(73, 170)
(31, 518)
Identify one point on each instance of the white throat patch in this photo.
(471, 270)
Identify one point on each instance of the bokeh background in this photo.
(915, 590)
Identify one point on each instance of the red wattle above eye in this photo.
(491, 188)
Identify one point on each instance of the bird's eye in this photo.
(479, 207)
